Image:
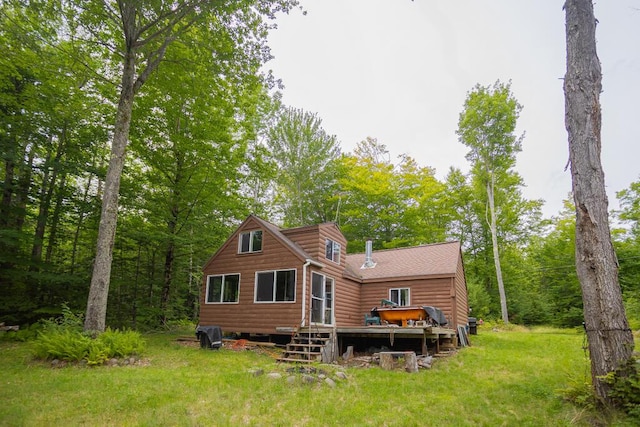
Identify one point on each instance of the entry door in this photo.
(321, 299)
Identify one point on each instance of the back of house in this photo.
(268, 280)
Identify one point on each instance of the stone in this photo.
(308, 379)
(331, 383)
(257, 372)
(348, 354)
(291, 379)
(274, 375)
(341, 375)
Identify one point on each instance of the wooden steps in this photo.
(306, 347)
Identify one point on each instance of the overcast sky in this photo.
(399, 71)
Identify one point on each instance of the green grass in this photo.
(509, 378)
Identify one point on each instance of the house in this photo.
(265, 280)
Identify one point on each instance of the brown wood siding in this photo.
(435, 292)
(346, 293)
(247, 316)
(352, 299)
(307, 239)
(462, 297)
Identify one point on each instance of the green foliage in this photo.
(395, 204)
(63, 338)
(624, 385)
(579, 391)
(479, 301)
(75, 346)
(305, 156)
(121, 343)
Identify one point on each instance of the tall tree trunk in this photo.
(7, 185)
(55, 218)
(95, 319)
(168, 278)
(23, 188)
(78, 228)
(610, 338)
(496, 252)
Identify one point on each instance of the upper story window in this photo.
(332, 250)
(223, 288)
(400, 296)
(250, 241)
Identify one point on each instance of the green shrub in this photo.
(70, 320)
(625, 387)
(97, 353)
(63, 338)
(62, 344)
(22, 335)
(580, 392)
(74, 346)
(121, 343)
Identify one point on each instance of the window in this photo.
(332, 250)
(276, 286)
(400, 296)
(223, 288)
(251, 241)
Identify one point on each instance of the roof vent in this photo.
(368, 255)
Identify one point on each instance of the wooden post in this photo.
(410, 362)
(348, 354)
(386, 361)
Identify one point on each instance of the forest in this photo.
(209, 141)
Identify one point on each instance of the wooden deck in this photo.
(428, 335)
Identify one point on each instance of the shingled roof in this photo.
(426, 260)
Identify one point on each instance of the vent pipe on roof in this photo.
(368, 255)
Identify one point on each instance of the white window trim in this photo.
(206, 295)
(251, 234)
(334, 244)
(324, 299)
(399, 293)
(295, 284)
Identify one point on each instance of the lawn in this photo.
(509, 378)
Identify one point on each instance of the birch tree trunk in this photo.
(496, 251)
(99, 291)
(610, 338)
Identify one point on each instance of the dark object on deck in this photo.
(436, 315)
(209, 336)
(371, 319)
(473, 326)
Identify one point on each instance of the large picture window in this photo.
(400, 296)
(276, 286)
(223, 288)
(250, 241)
(332, 250)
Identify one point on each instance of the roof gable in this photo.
(253, 222)
(426, 260)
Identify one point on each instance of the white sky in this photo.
(399, 71)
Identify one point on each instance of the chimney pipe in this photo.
(368, 255)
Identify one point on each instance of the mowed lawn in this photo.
(508, 378)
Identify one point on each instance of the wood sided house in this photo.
(265, 280)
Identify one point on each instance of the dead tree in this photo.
(610, 338)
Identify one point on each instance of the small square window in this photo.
(250, 241)
(400, 296)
